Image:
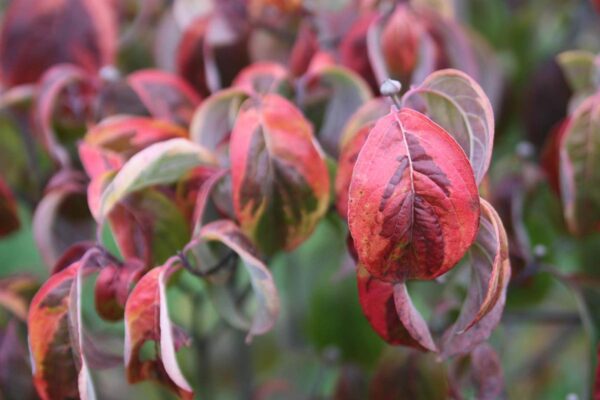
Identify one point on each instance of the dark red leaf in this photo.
(112, 287)
(37, 34)
(9, 216)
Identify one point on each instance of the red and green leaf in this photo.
(165, 95)
(147, 320)
(279, 176)
(580, 166)
(84, 34)
(413, 206)
(458, 104)
(490, 275)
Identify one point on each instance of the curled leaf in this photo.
(279, 176)
(112, 287)
(157, 164)
(264, 289)
(165, 95)
(482, 309)
(413, 207)
(458, 104)
(391, 313)
(147, 319)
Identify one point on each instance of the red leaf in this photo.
(353, 49)
(56, 83)
(305, 47)
(400, 42)
(279, 176)
(414, 208)
(391, 313)
(59, 367)
(550, 156)
(9, 216)
(165, 95)
(112, 287)
(261, 78)
(147, 319)
(482, 309)
(37, 34)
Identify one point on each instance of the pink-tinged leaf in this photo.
(413, 207)
(59, 367)
(165, 95)
(112, 287)
(458, 104)
(486, 371)
(126, 135)
(97, 160)
(279, 176)
(9, 216)
(262, 78)
(353, 48)
(62, 217)
(400, 43)
(391, 312)
(84, 33)
(214, 120)
(15, 292)
(147, 319)
(202, 198)
(579, 167)
(267, 299)
(333, 95)
(59, 81)
(550, 156)
(490, 275)
(159, 163)
(353, 137)
(305, 47)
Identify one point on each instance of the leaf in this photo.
(267, 299)
(15, 292)
(337, 93)
(59, 366)
(62, 217)
(165, 95)
(279, 176)
(486, 295)
(9, 213)
(579, 166)
(262, 78)
(580, 70)
(400, 43)
(458, 104)
(352, 139)
(353, 48)
(147, 319)
(112, 287)
(391, 312)
(85, 35)
(159, 163)
(54, 83)
(214, 120)
(413, 207)
(486, 370)
(550, 155)
(15, 372)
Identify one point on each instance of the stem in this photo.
(392, 89)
